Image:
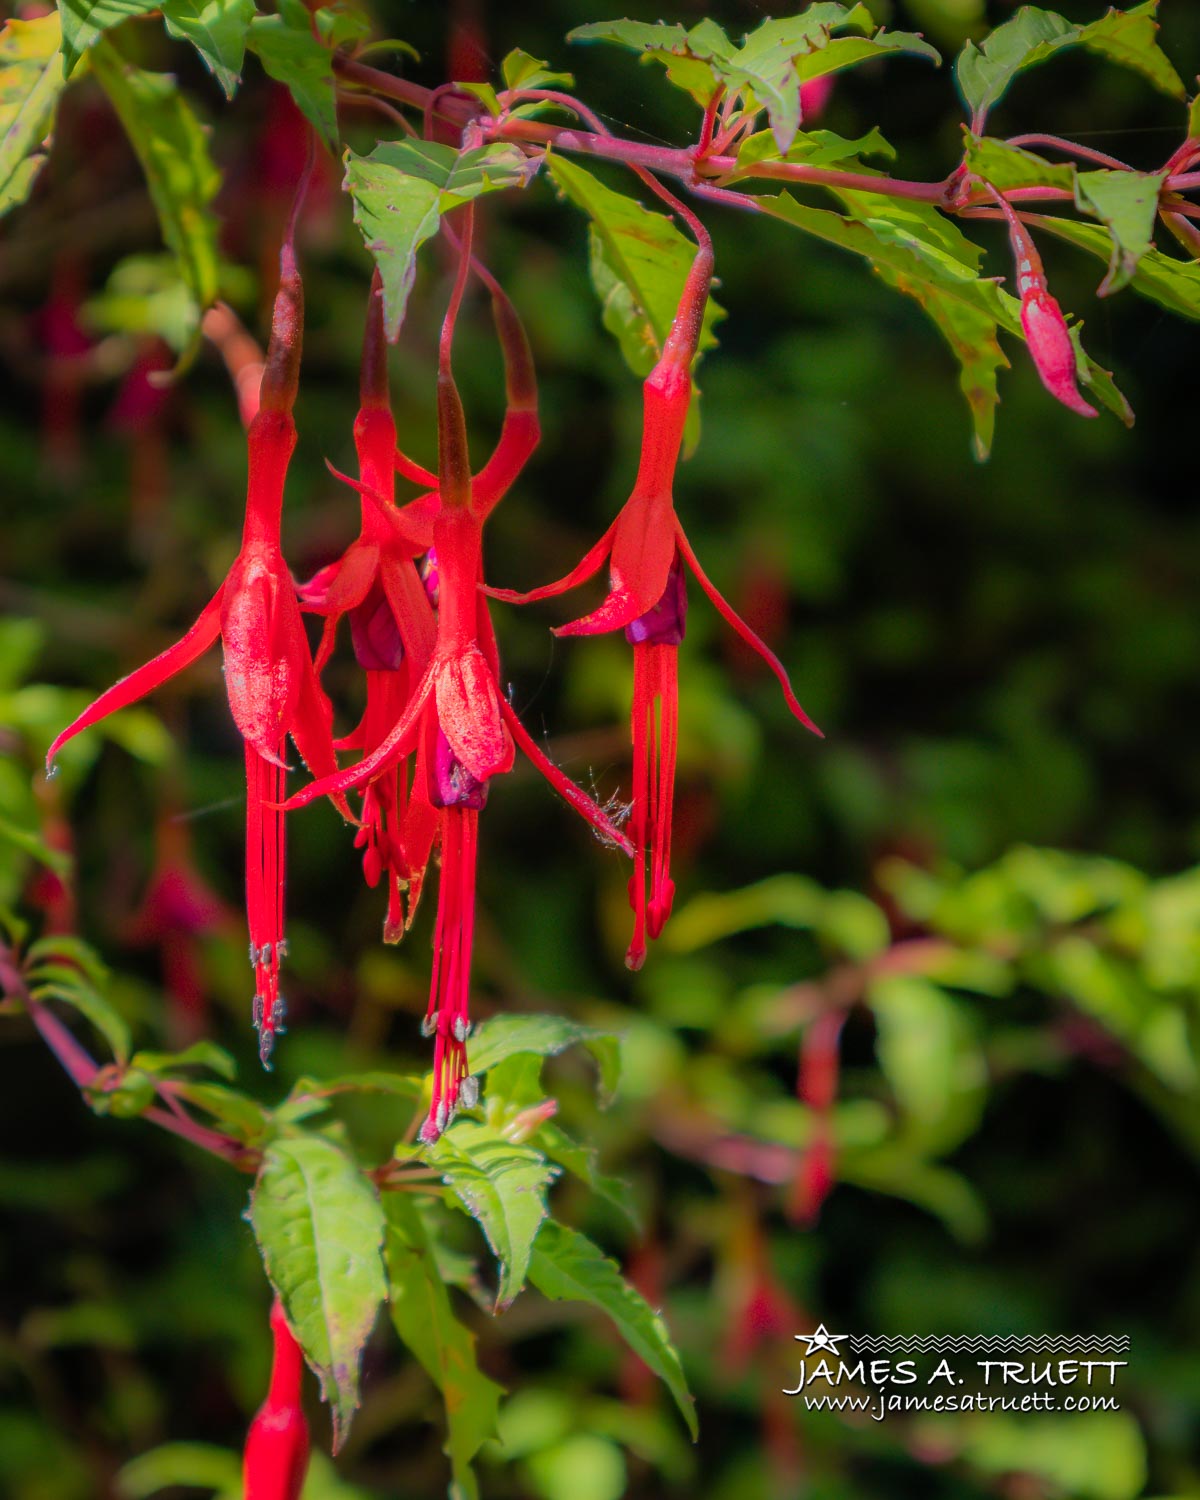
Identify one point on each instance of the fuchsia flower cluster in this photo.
(436, 727)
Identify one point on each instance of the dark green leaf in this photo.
(422, 1315)
(1127, 37)
(31, 79)
(1174, 284)
(173, 151)
(217, 29)
(505, 1036)
(566, 1266)
(93, 1007)
(236, 1114)
(772, 62)
(293, 56)
(202, 1054)
(502, 1186)
(522, 71)
(1126, 203)
(581, 1161)
(640, 262)
(816, 148)
(84, 21)
(401, 190)
(320, 1228)
(918, 258)
(1007, 166)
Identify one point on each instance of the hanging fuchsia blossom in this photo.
(456, 722)
(1045, 327)
(646, 550)
(269, 678)
(277, 1445)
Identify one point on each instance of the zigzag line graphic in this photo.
(991, 1343)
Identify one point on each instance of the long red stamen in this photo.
(265, 878)
(448, 1015)
(655, 721)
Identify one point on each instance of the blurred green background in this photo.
(1004, 659)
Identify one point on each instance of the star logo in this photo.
(822, 1341)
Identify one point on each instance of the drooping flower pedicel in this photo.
(646, 550)
(269, 677)
(456, 721)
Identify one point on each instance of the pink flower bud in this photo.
(1052, 349)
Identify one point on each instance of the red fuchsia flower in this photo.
(277, 1444)
(646, 550)
(816, 1086)
(393, 630)
(269, 678)
(1041, 317)
(177, 909)
(458, 724)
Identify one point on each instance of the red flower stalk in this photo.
(272, 687)
(456, 720)
(646, 549)
(1041, 317)
(277, 1444)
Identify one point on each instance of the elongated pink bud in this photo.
(1052, 349)
(1041, 317)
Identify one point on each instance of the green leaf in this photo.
(30, 82)
(422, 1315)
(639, 261)
(237, 1114)
(401, 190)
(173, 150)
(63, 947)
(145, 294)
(85, 21)
(582, 1162)
(926, 261)
(293, 56)
(566, 1266)
(1007, 166)
(857, 924)
(1174, 284)
(815, 148)
(503, 1187)
(520, 70)
(93, 1007)
(985, 72)
(29, 841)
(772, 62)
(505, 1036)
(191, 1465)
(1126, 203)
(202, 1054)
(320, 1228)
(217, 29)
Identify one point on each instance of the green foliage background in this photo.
(1004, 659)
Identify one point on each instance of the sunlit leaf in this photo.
(173, 150)
(402, 189)
(320, 1228)
(985, 72)
(1126, 203)
(31, 79)
(567, 1267)
(293, 56)
(217, 29)
(85, 21)
(503, 1187)
(504, 1036)
(1174, 284)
